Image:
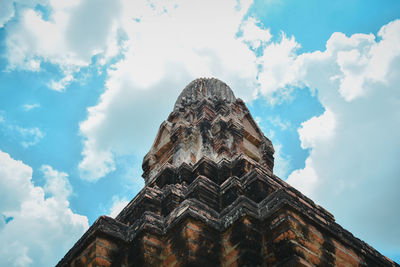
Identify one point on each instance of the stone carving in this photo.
(207, 121)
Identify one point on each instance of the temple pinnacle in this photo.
(210, 88)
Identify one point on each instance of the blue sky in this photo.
(84, 86)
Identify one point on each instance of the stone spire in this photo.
(207, 122)
(211, 199)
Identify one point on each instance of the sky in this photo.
(85, 84)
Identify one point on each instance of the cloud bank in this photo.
(37, 225)
(353, 167)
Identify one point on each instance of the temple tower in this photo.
(211, 199)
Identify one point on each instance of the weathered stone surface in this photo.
(207, 122)
(211, 199)
(203, 88)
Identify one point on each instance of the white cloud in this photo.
(14, 175)
(253, 34)
(317, 129)
(353, 168)
(57, 183)
(117, 205)
(304, 179)
(279, 68)
(278, 122)
(97, 162)
(29, 136)
(142, 87)
(6, 11)
(60, 85)
(281, 161)
(67, 39)
(29, 107)
(42, 226)
(25, 136)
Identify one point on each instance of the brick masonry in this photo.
(211, 199)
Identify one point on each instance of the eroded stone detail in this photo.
(207, 121)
